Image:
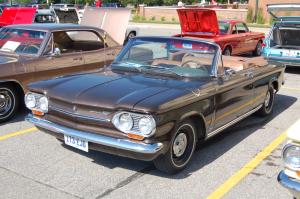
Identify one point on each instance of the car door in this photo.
(236, 41)
(234, 96)
(57, 60)
(246, 37)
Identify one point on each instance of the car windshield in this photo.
(168, 56)
(21, 41)
(224, 27)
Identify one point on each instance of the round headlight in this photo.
(146, 125)
(30, 101)
(125, 122)
(43, 102)
(291, 156)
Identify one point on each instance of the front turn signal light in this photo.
(38, 113)
(135, 136)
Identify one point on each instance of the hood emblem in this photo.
(74, 108)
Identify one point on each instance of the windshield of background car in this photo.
(224, 27)
(168, 56)
(21, 41)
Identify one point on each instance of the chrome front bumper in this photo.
(115, 143)
(292, 185)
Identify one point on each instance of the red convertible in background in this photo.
(233, 36)
(17, 15)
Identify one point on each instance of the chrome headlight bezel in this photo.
(38, 102)
(135, 128)
(287, 149)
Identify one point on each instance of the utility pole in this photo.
(255, 11)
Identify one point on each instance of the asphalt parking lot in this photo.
(36, 165)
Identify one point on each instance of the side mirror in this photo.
(56, 52)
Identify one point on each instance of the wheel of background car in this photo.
(227, 51)
(32, 49)
(9, 102)
(258, 49)
(196, 65)
(181, 149)
(267, 106)
(131, 35)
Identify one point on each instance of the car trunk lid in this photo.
(284, 11)
(17, 16)
(113, 20)
(66, 15)
(198, 21)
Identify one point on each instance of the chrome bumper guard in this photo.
(124, 144)
(287, 182)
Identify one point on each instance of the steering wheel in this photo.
(196, 65)
(32, 49)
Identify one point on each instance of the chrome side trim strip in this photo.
(76, 115)
(232, 122)
(123, 144)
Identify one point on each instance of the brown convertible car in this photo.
(156, 101)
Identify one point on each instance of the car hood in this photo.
(284, 11)
(20, 15)
(198, 21)
(66, 15)
(115, 91)
(113, 20)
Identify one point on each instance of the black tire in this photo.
(9, 102)
(227, 51)
(267, 106)
(175, 160)
(129, 36)
(258, 49)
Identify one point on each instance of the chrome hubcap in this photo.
(5, 103)
(180, 144)
(267, 99)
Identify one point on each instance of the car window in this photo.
(234, 30)
(224, 27)
(241, 28)
(44, 19)
(77, 41)
(21, 41)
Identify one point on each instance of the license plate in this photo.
(290, 53)
(77, 142)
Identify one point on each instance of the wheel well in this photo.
(16, 85)
(199, 123)
(275, 85)
(228, 46)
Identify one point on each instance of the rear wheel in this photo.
(9, 102)
(180, 151)
(258, 49)
(268, 104)
(227, 51)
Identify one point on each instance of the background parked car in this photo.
(232, 36)
(283, 41)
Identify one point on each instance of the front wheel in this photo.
(180, 151)
(258, 49)
(9, 102)
(227, 51)
(267, 106)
